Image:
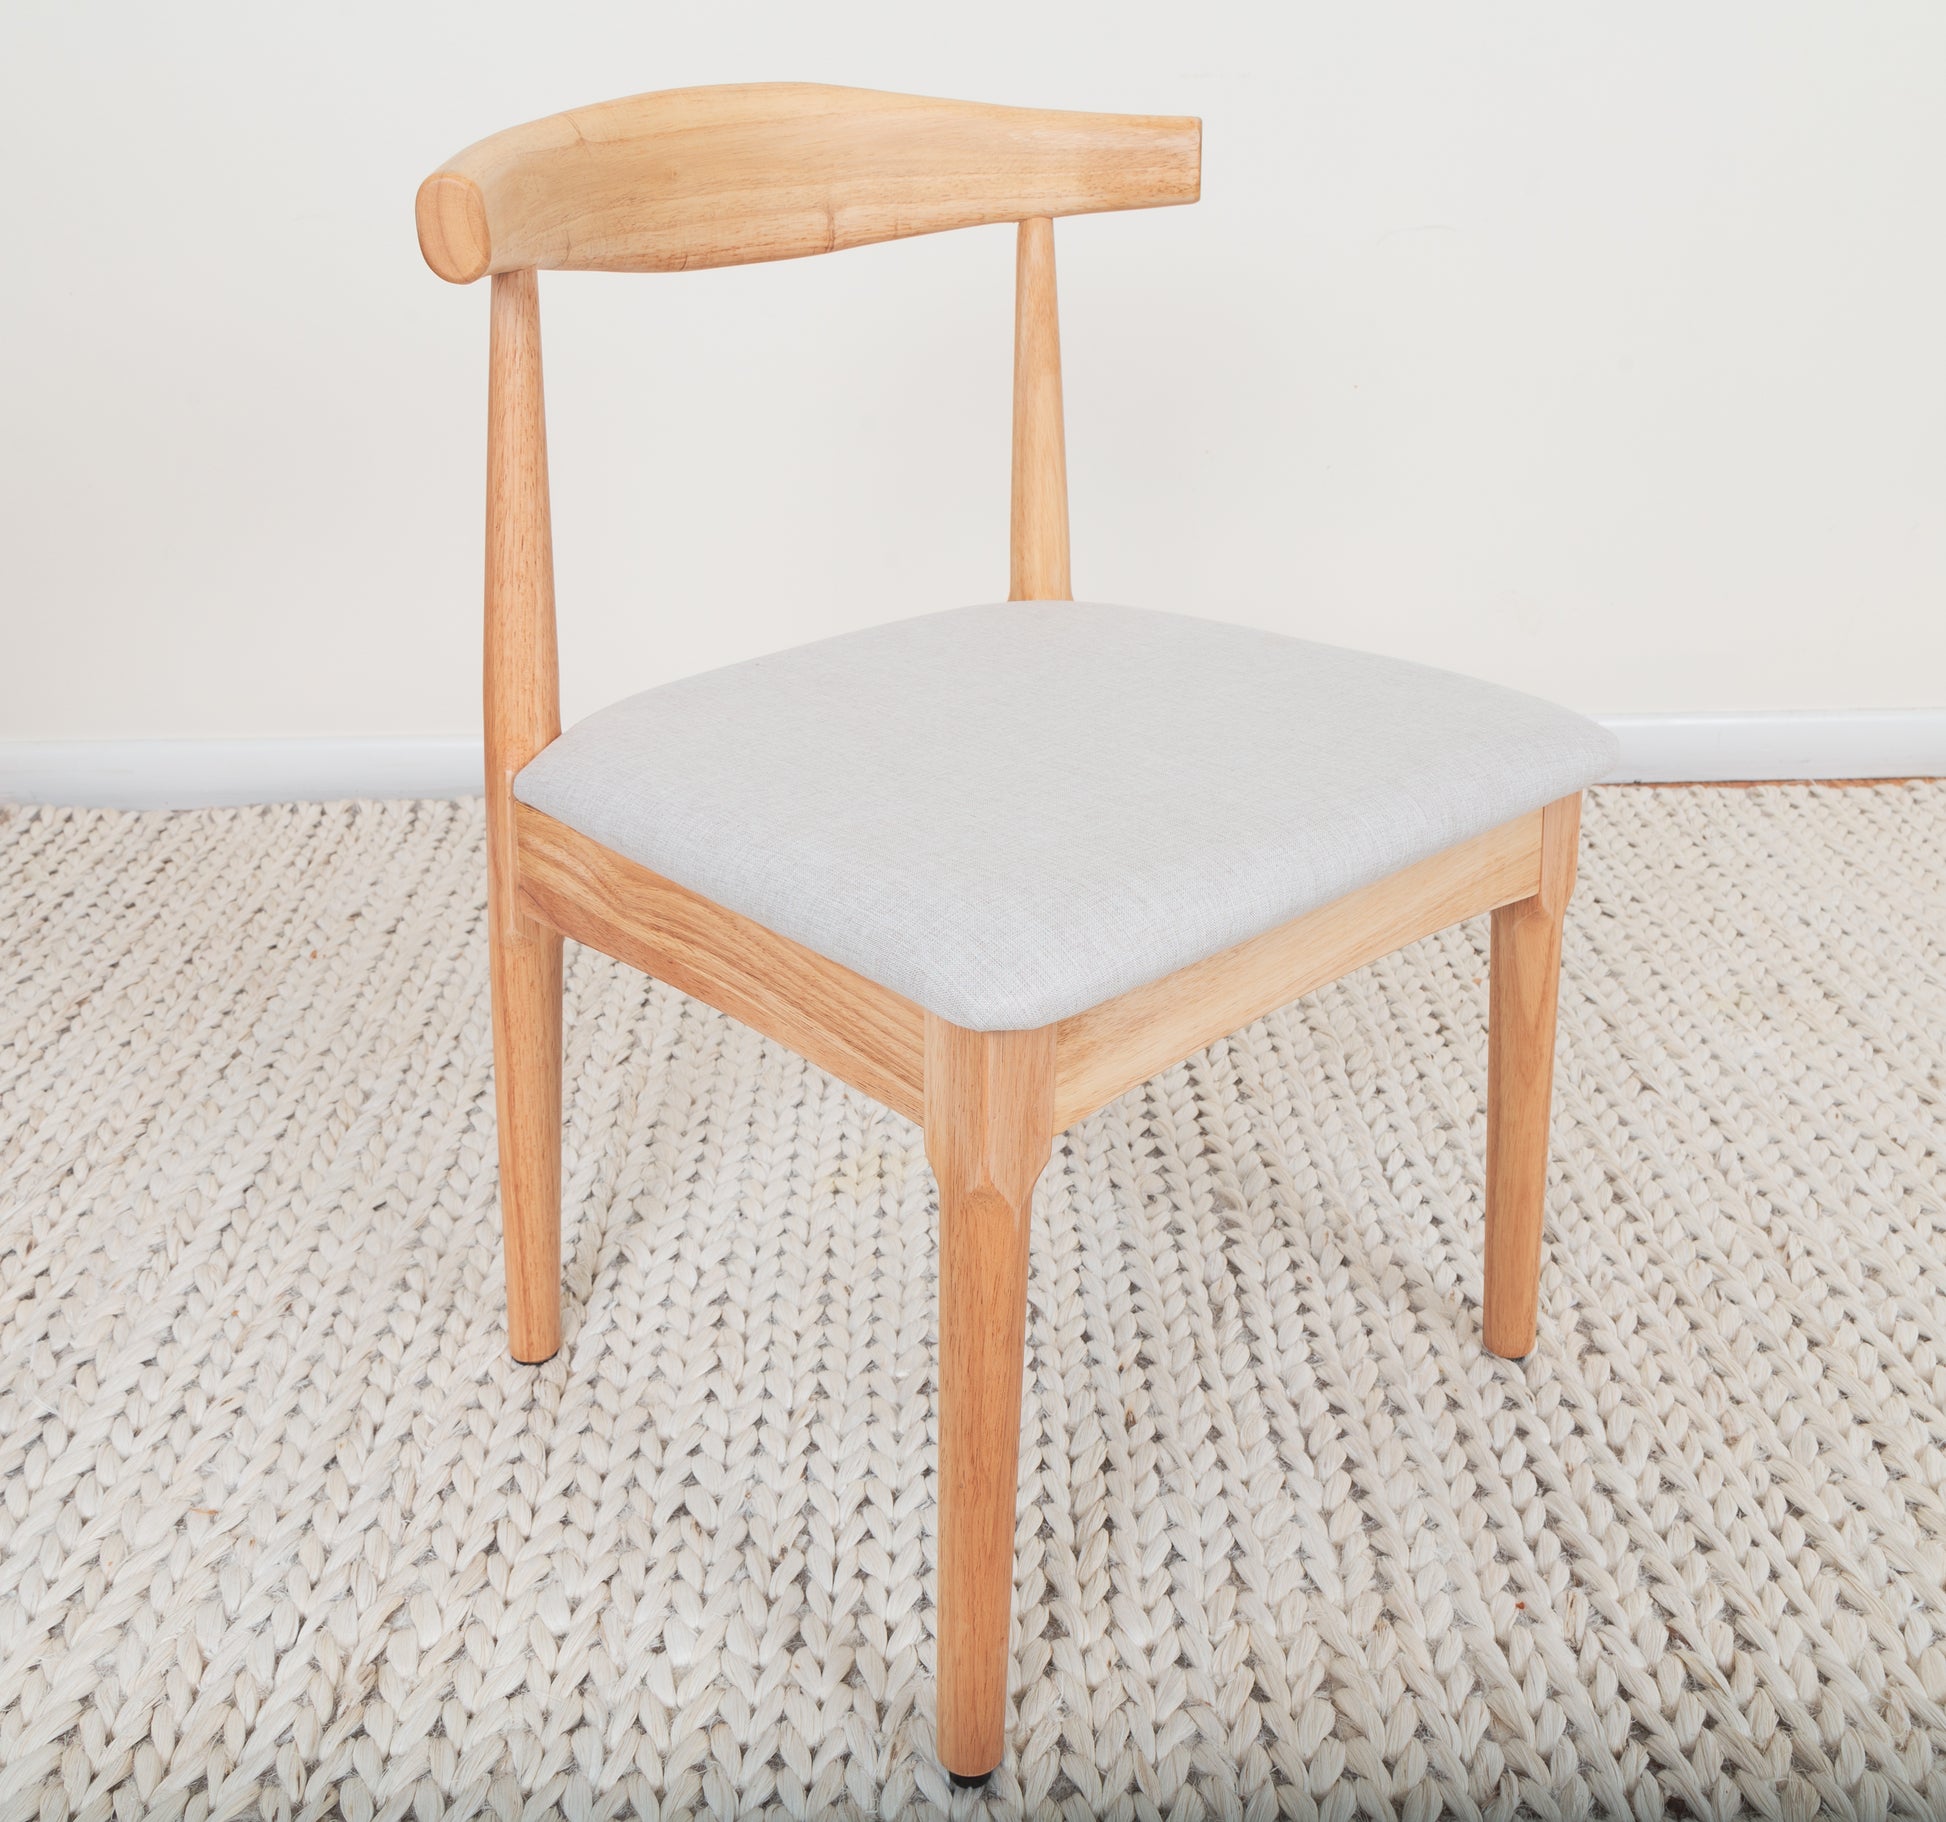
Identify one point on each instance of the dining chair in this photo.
(995, 865)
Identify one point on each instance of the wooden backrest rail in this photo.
(733, 175)
(778, 170)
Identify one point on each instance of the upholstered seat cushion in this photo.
(1008, 813)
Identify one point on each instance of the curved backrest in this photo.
(726, 177)
(777, 170)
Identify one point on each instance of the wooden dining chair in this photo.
(995, 865)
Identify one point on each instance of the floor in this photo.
(284, 1532)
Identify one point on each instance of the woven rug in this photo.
(284, 1532)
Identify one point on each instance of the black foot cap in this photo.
(974, 1783)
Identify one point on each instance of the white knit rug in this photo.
(283, 1532)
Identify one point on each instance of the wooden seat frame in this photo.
(735, 175)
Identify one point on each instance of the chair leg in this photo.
(1526, 972)
(989, 1130)
(527, 1095)
(522, 715)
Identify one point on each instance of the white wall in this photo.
(1598, 349)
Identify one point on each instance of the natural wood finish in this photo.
(1520, 1083)
(1039, 547)
(526, 975)
(454, 238)
(863, 1033)
(708, 177)
(989, 1130)
(522, 715)
(727, 176)
(1111, 1047)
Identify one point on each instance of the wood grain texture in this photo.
(728, 176)
(1109, 1048)
(1520, 1084)
(715, 177)
(989, 1131)
(865, 1034)
(526, 976)
(522, 714)
(1038, 549)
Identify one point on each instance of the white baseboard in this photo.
(196, 774)
(1706, 747)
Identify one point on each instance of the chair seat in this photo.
(1009, 813)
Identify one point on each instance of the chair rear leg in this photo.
(1526, 973)
(989, 1130)
(527, 1094)
(522, 715)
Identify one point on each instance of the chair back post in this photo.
(521, 672)
(1038, 570)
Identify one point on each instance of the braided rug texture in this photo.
(284, 1532)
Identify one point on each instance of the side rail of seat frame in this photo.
(874, 1039)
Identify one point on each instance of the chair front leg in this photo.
(526, 968)
(1526, 974)
(989, 1131)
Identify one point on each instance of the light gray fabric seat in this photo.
(1008, 813)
